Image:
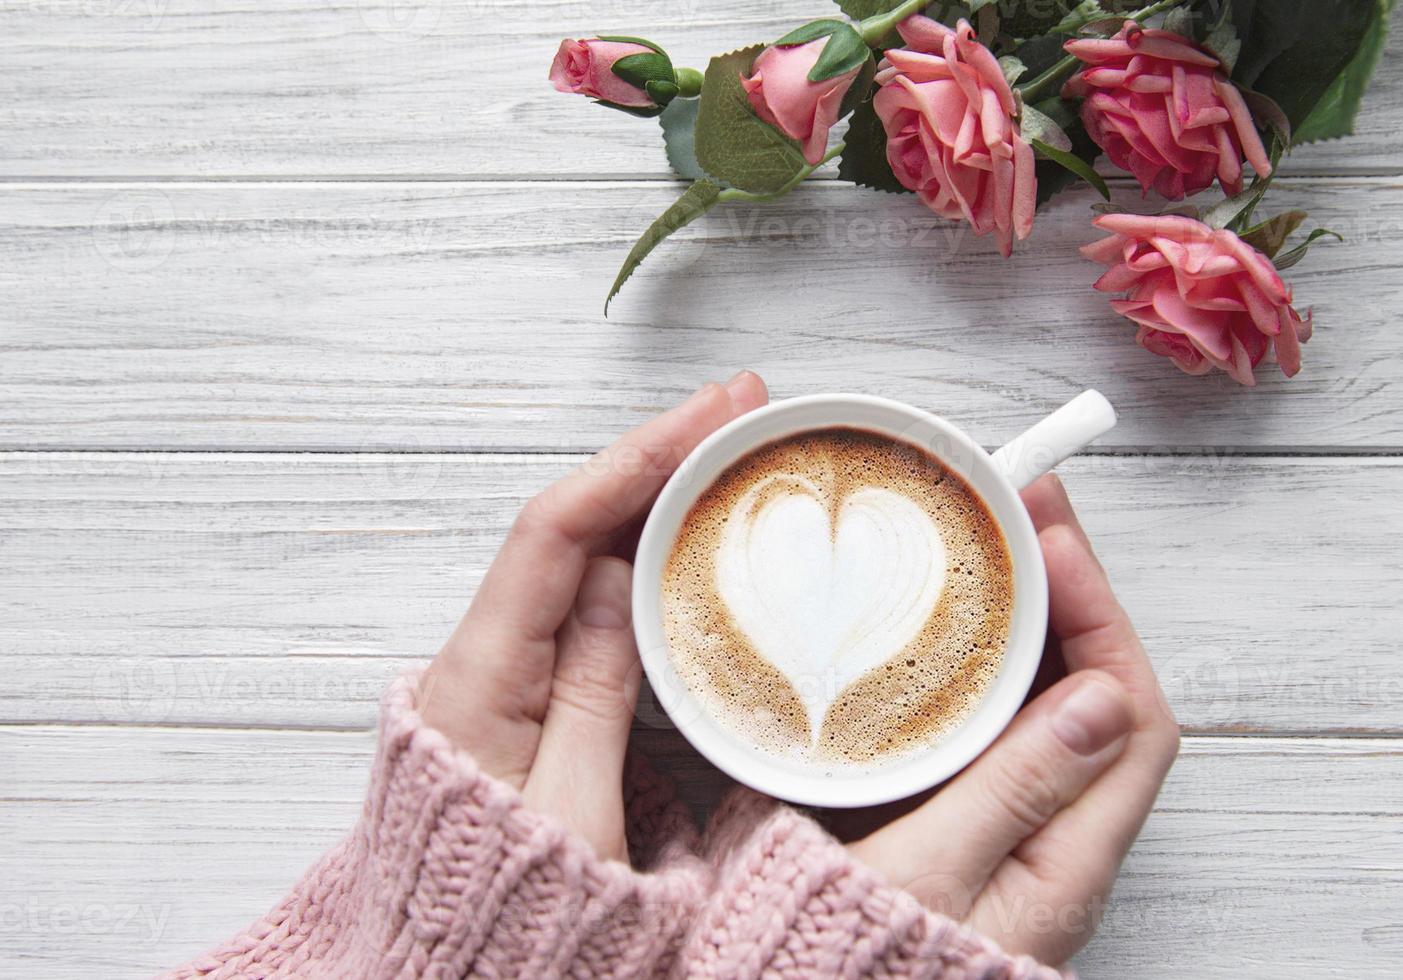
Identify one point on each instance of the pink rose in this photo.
(1162, 108)
(948, 113)
(1203, 297)
(587, 68)
(781, 94)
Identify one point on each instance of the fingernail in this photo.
(603, 600)
(700, 391)
(1091, 718)
(736, 379)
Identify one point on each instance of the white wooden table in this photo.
(300, 301)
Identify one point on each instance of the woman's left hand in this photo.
(540, 678)
(1025, 844)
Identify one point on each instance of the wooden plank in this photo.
(131, 849)
(406, 87)
(466, 316)
(285, 590)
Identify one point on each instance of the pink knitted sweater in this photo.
(449, 875)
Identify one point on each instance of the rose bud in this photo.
(948, 113)
(625, 73)
(1163, 108)
(797, 84)
(1202, 296)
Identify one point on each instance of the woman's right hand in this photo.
(1025, 844)
(540, 678)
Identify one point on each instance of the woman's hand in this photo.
(540, 678)
(1025, 844)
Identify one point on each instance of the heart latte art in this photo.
(824, 596)
(839, 595)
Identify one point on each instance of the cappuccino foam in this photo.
(838, 596)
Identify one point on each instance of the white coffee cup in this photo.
(996, 477)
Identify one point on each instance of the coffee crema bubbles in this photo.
(838, 596)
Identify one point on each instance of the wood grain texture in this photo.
(287, 589)
(458, 317)
(408, 87)
(435, 326)
(130, 849)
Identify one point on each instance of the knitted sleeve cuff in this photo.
(462, 877)
(449, 875)
(789, 901)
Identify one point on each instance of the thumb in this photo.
(577, 775)
(1055, 748)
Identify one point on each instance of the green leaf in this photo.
(1267, 113)
(986, 19)
(1104, 27)
(1034, 124)
(1293, 51)
(1033, 18)
(845, 51)
(864, 157)
(1013, 69)
(1059, 110)
(1222, 40)
(679, 122)
(695, 202)
(1270, 235)
(1286, 261)
(862, 9)
(626, 39)
(642, 111)
(1041, 53)
(1053, 178)
(860, 89)
(733, 143)
(811, 31)
(1333, 115)
(1181, 210)
(1180, 20)
(1225, 212)
(1088, 11)
(1073, 163)
(1235, 213)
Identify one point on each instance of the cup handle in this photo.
(1066, 431)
